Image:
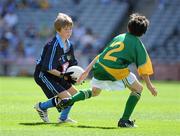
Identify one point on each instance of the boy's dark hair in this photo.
(137, 24)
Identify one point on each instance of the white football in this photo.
(77, 71)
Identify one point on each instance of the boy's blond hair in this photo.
(61, 21)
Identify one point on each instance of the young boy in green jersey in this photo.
(111, 72)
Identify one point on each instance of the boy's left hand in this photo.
(68, 78)
(152, 89)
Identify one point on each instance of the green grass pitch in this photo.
(155, 116)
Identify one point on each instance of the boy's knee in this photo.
(141, 88)
(95, 92)
(138, 88)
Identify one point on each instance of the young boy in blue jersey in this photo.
(50, 72)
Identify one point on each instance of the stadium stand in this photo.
(96, 21)
(162, 40)
(34, 20)
(162, 37)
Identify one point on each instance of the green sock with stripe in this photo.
(81, 95)
(130, 105)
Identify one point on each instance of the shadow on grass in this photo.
(38, 123)
(99, 127)
(66, 125)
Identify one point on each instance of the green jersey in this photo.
(112, 64)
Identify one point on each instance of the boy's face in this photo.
(66, 32)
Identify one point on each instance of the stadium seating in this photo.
(162, 36)
(102, 17)
(94, 15)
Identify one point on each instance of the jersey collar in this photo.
(61, 42)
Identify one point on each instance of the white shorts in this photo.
(113, 85)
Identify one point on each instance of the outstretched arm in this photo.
(87, 70)
(149, 85)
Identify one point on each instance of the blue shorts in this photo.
(50, 84)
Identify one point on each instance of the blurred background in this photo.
(26, 25)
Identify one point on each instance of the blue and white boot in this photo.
(42, 113)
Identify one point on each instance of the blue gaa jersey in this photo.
(55, 56)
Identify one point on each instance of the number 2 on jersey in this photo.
(120, 47)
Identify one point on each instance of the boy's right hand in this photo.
(83, 77)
